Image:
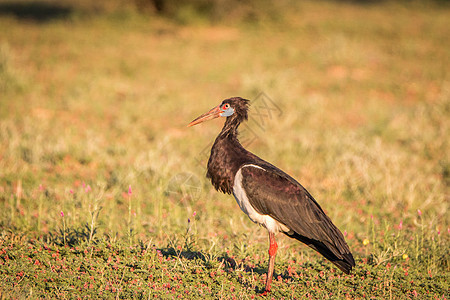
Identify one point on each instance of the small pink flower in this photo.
(41, 187)
(62, 214)
(129, 190)
(194, 214)
(345, 233)
(415, 293)
(88, 189)
(71, 191)
(400, 226)
(419, 212)
(84, 184)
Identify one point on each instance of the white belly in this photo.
(241, 198)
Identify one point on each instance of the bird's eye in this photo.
(225, 106)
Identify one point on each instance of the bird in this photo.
(267, 195)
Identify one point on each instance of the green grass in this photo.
(91, 104)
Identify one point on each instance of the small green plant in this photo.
(64, 230)
(130, 223)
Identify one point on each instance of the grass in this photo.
(91, 105)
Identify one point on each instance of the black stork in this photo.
(267, 195)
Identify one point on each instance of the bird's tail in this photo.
(341, 256)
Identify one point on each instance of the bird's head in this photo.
(232, 108)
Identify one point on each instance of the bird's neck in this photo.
(227, 156)
(230, 129)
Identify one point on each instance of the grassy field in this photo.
(103, 190)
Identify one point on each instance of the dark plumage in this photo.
(267, 195)
(278, 195)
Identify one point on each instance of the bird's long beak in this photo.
(212, 114)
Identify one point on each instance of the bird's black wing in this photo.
(272, 192)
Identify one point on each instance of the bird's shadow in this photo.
(230, 265)
(71, 237)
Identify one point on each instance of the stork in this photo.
(267, 195)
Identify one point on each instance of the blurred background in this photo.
(352, 98)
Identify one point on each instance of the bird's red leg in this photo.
(272, 252)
